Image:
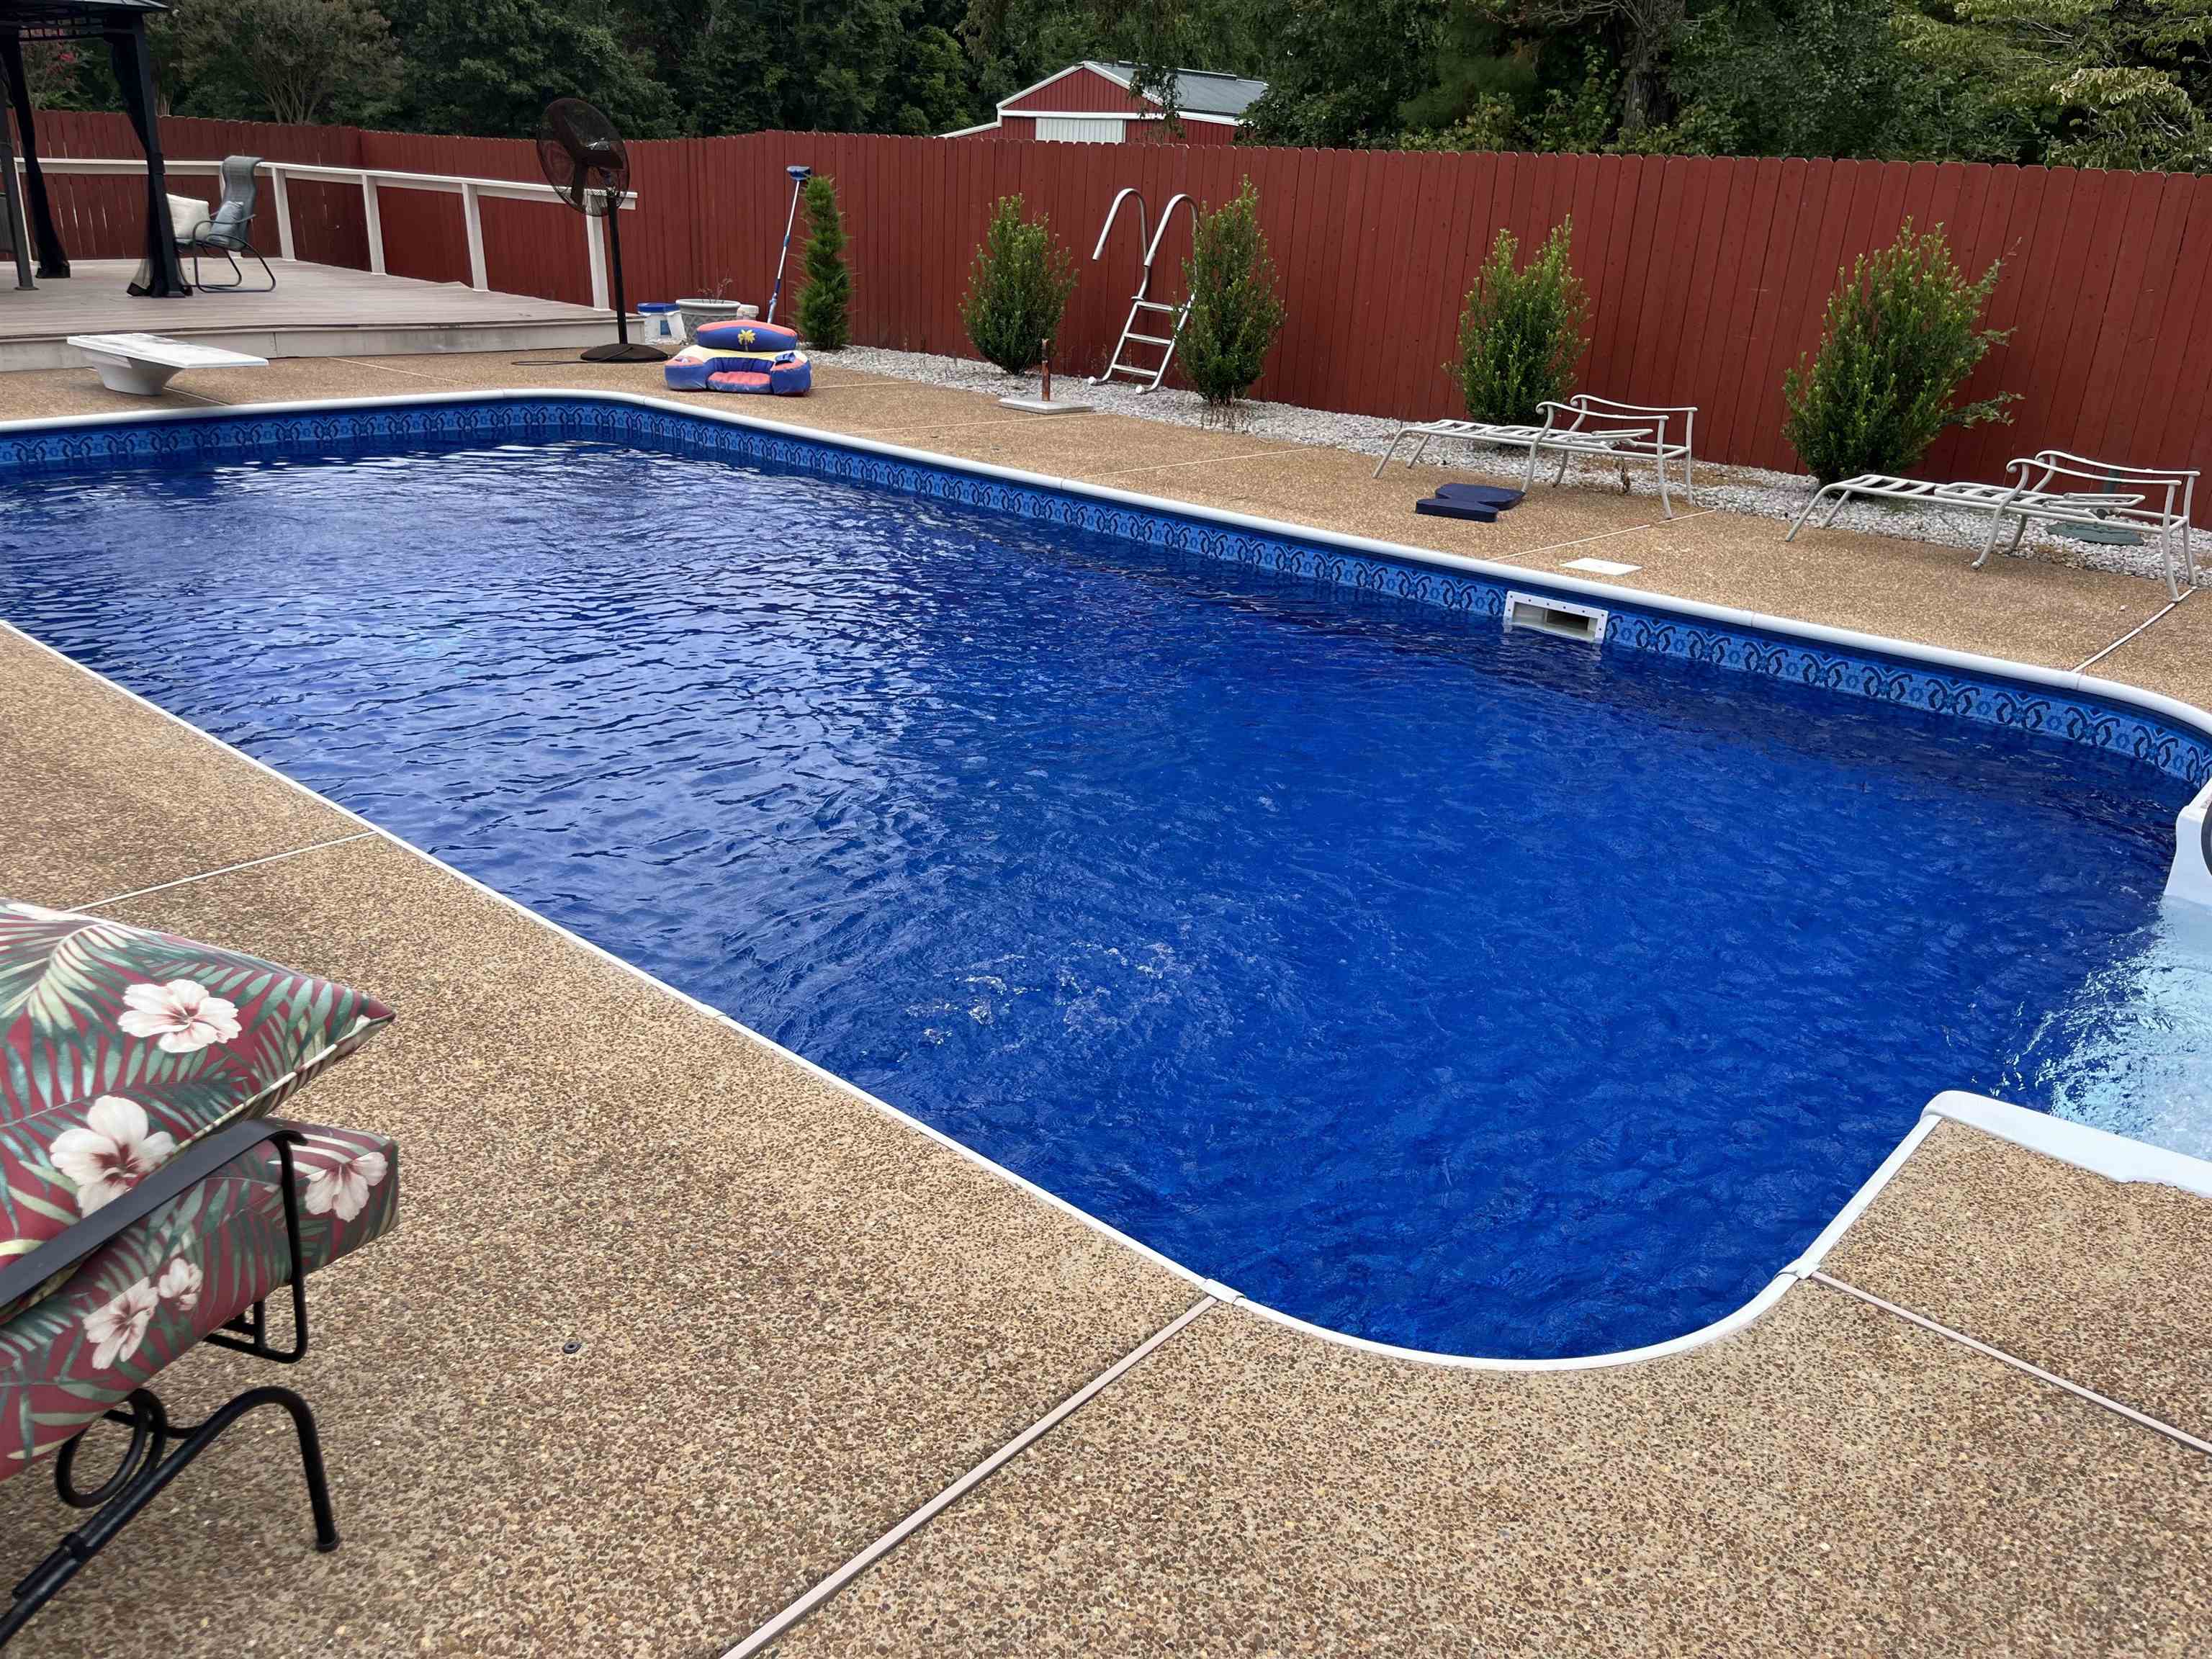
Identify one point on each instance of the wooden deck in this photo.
(316, 311)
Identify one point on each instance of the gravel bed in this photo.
(1749, 489)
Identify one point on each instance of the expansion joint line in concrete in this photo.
(1209, 460)
(204, 875)
(780, 1626)
(2018, 1363)
(2142, 626)
(1603, 535)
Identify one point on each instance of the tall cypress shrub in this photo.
(1522, 330)
(1018, 287)
(1236, 309)
(1903, 333)
(825, 321)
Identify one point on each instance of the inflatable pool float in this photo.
(745, 335)
(742, 356)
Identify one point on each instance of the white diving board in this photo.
(144, 364)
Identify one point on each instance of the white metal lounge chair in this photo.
(2143, 504)
(1583, 425)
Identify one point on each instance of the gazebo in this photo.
(122, 24)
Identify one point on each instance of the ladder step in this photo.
(1152, 305)
(1149, 339)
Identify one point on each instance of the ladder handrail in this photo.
(1167, 217)
(1144, 223)
(1148, 244)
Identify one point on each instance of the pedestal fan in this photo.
(584, 160)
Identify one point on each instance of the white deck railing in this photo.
(370, 181)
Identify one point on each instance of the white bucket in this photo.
(664, 329)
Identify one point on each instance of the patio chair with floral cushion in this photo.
(148, 1203)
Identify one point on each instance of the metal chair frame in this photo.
(1583, 425)
(2156, 503)
(160, 1450)
(225, 232)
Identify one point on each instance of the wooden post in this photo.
(472, 217)
(280, 200)
(375, 222)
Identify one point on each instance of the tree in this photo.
(1521, 331)
(491, 66)
(1903, 333)
(1644, 32)
(2131, 117)
(1236, 307)
(824, 314)
(1017, 289)
(934, 88)
(1342, 72)
(301, 62)
(1795, 77)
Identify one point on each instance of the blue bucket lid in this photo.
(657, 305)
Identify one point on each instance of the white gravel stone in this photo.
(1754, 490)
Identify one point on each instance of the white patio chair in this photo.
(1583, 425)
(2147, 504)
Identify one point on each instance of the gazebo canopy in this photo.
(46, 20)
(122, 24)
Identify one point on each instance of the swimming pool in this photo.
(1456, 987)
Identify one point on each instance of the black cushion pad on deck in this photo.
(1479, 495)
(1445, 506)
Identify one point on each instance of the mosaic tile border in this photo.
(2175, 749)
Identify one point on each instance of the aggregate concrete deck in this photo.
(801, 1319)
(1834, 1480)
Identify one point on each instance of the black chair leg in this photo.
(148, 1466)
(237, 277)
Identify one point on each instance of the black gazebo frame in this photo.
(122, 24)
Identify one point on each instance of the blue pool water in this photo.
(1478, 992)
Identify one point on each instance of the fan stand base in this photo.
(636, 351)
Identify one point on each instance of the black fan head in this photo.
(583, 156)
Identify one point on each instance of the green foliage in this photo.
(2131, 117)
(1492, 125)
(1236, 307)
(1793, 77)
(932, 89)
(491, 66)
(2124, 83)
(1522, 330)
(1340, 73)
(825, 321)
(1903, 333)
(302, 61)
(1017, 289)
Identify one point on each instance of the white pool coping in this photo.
(2098, 1150)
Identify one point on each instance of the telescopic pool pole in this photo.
(799, 178)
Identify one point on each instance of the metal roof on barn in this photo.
(1198, 92)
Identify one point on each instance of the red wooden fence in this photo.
(1707, 277)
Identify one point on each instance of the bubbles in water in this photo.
(2133, 1053)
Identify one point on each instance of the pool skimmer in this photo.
(1562, 618)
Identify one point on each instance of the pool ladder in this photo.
(1143, 307)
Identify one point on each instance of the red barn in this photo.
(1091, 103)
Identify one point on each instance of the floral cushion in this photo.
(195, 1263)
(120, 1045)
